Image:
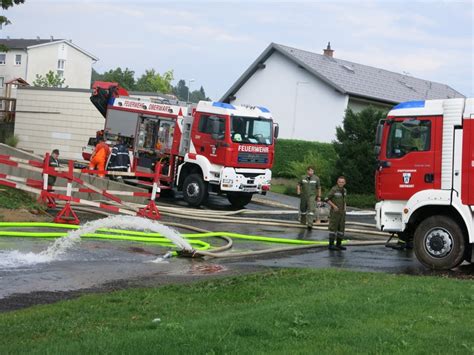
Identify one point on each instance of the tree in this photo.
(95, 76)
(125, 78)
(181, 90)
(6, 4)
(355, 148)
(51, 80)
(152, 81)
(198, 95)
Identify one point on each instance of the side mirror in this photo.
(276, 130)
(379, 133)
(377, 150)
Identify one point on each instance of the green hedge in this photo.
(293, 156)
(288, 150)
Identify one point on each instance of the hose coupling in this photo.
(188, 253)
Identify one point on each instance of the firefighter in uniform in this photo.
(309, 190)
(336, 198)
(119, 158)
(99, 157)
(53, 162)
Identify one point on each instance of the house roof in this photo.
(17, 81)
(34, 43)
(22, 43)
(352, 78)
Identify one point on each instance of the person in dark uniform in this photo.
(336, 198)
(119, 158)
(53, 162)
(309, 190)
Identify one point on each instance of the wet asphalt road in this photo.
(95, 265)
(377, 258)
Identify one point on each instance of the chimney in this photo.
(328, 51)
(8, 38)
(52, 39)
(37, 38)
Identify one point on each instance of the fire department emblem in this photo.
(406, 178)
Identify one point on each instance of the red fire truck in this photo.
(214, 147)
(425, 179)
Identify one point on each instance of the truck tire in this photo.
(195, 190)
(439, 243)
(239, 199)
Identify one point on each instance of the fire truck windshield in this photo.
(253, 130)
(408, 136)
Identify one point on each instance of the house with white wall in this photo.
(27, 58)
(308, 93)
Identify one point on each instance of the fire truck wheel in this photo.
(439, 243)
(195, 190)
(239, 199)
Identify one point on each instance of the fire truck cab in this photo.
(214, 146)
(425, 178)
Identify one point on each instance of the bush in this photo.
(323, 167)
(285, 189)
(12, 141)
(292, 157)
(361, 200)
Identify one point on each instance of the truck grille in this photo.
(250, 175)
(252, 158)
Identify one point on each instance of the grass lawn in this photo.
(284, 311)
(13, 199)
(16, 205)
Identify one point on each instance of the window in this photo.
(251, 130)
(205, 124)
(3, 57)
(18, 59)
(408, 136)
(61, 63)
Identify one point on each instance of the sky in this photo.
(215, 42)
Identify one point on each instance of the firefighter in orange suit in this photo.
(99, 157)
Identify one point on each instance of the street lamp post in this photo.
(189, 86)
(296, 104)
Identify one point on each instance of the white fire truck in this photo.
(215, 147)
(425, 179)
